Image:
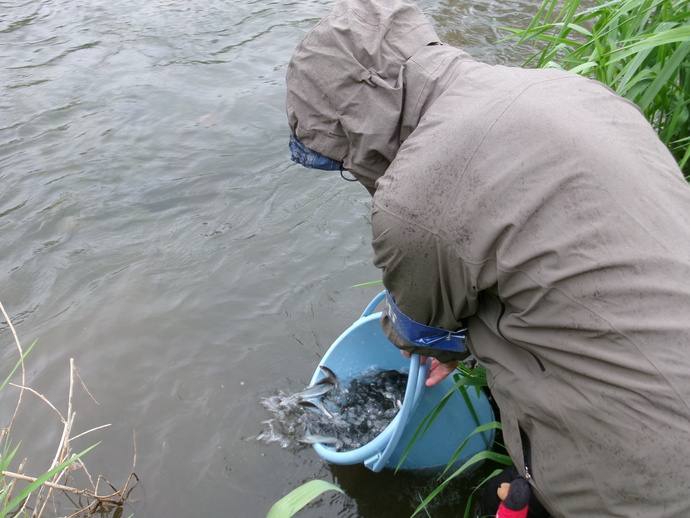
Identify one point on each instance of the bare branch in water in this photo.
(40, 396)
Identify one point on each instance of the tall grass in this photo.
(639, 48)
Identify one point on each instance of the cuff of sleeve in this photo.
(401, 343)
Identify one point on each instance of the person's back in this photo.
(545, 213)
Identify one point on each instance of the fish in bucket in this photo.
(363, 357)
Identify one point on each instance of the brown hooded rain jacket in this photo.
(540, 210)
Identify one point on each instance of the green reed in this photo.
(639, 48)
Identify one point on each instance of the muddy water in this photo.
(153, 229)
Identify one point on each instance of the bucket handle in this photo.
(372, 305)
(413, 393)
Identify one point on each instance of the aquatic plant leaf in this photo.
(685, 160)
(665, 74)
(675, 35)
(633, 72)
(5, 461)
(19, 362)
(366, 284)
(299, 497)
(468, 403)
(7, 456)
(493, 425)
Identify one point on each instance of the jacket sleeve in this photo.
(428, 283)
(401, 343)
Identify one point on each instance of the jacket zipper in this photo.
(526, 453)
(498, 329)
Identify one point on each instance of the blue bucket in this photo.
(364, 346)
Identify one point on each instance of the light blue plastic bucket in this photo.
(364, 346)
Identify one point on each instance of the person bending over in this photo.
(535, 214)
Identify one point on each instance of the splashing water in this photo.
(346, 417)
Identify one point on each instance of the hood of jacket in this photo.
(346, 83)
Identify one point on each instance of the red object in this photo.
(504, 512)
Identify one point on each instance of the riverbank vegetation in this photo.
(639, 48)
(23, 495)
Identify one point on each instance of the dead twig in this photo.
(40, 396)
(26, 478)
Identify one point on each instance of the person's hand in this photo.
(438, 371)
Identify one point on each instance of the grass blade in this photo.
(665, 74)
(298, 498)
(366, 284)
(17, 365)
(493, 425)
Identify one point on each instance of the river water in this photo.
(153, 228)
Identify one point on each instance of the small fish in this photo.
(321, 387)
(316, 406)
(316, 390)
(321, 439)
(330, 376)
